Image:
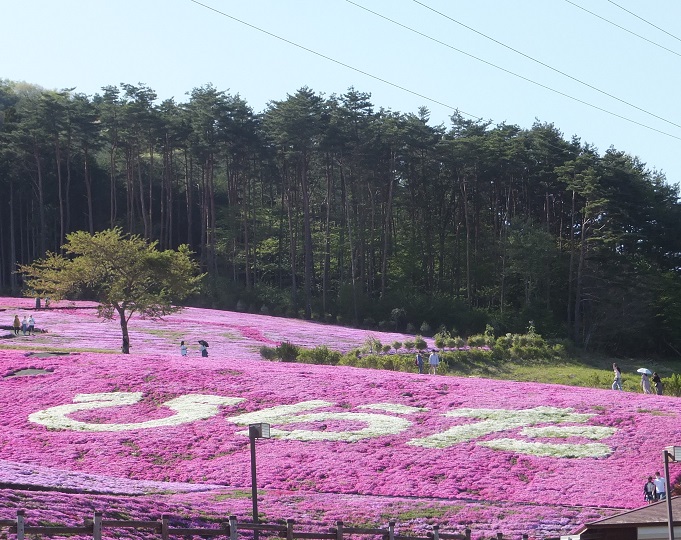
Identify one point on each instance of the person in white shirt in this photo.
(434, 361)
(660, 487)
(183, 349)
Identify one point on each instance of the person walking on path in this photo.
(660, 487)
(16, 325)
(645, 384)
(419, 362)
(649, 491)
(31, 325)
(183, 349)
(617, 384)
(658, 383)
(24, 325)
(434, 361)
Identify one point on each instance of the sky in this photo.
(405, 53)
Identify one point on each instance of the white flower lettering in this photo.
(188, 408)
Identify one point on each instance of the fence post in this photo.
(289, 529)
(339, 530)
(467, 532)
(232, 528)
(391, 530)
(164, 527)
(97, 526)
(525, 537)
(20, 524)
(436, 532)
(500, 536)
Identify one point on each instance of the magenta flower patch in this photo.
(347, 443)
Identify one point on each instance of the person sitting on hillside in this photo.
(649, 491)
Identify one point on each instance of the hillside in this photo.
(152, 432)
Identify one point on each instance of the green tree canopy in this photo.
(124, 273)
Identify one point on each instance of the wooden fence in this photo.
(230, 530)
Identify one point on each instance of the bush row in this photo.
(398, 356)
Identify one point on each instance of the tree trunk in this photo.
(125, 346)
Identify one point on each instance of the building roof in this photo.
(648, 515)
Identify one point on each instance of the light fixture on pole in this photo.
(256, 431)
(671, 453)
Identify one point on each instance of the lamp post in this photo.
(256, 431)
(671, 453)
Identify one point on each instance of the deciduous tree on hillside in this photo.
(125, 274)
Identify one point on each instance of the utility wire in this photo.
(644, 20)
(417, 93)
(338, 61)
(622, 28)
(542, 63)
(521, 76)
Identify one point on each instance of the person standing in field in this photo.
(16, 325)
(434, 361)
(31, 325)
(419, 362)
(645, 384)
(617, 384)
(24, 325)
(183, 349)
(649, 490)
(660, 487)
(658, 383)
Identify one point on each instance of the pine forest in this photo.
(334, 209)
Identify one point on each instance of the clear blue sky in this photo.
(176, 45)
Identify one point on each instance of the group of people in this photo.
(433, 362)
(26, 325)
(655, 489)
(645, 381)
(203, 347)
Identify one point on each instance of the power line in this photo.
(433, 100)
(337, 61)
(644, 20)
(622, 28)
(542, 63)
(521, 76)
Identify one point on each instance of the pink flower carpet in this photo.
(153, 432)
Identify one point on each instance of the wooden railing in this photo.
(231, 529)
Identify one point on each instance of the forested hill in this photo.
(333, 208)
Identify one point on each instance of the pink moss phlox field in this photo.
(466, 483)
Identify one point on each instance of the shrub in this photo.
(386, 348)
(397, 345)
(411, 329)
(425, 328)
(386, 362)
(409, 345)
(268, 353)
(319, 355)
(672, 385)
(420, 343)
(478, 340)
(372, 345)
(287, 352)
